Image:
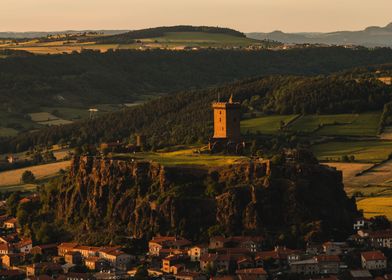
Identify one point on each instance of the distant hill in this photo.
(370, 37)
(36, 34)
(131, 36)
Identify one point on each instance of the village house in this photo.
(40, 268)
(166, 242)
(173, 263)
(221, 262)
(279, 256)
(245, 262)
(96, 263)
(251, 243)
(116, 257)
(380, 239)
(361, 274)
(328, 264)
(305, 267)
(24, 246)
(6, 248)
(10, 223)
(11, 260)
(334, 248)
(373, 260)
(9, 238)
(45, 250)
(86, 251)
(196, 252)
(252, 273)
(73, 258)
(64, 248)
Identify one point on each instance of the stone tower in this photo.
(227, 116)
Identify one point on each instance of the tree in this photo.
(12, 203)
(28, 177)
(141, 273)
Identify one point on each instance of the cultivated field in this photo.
(366, 124)
(42, 117)
(7, 132)
(265, 125)
(171, 40)
(374, 206)
(364, 151)
(12, 177)
(310, 123)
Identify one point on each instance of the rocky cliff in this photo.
(124, 198)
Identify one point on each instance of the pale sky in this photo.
(244, 15)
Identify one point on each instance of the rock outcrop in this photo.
(139, 199)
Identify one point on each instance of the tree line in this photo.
(186, 117)
(124, 76)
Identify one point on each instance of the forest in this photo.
(186, 117)
(28, 82)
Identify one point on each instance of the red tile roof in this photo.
(373, 255)
(256, 271)
(328, 258)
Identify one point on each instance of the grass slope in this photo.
(366, 124)
(265, 125)
(12, 177)
(310, 123)
(364, 151)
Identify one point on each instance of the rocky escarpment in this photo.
(134, 198)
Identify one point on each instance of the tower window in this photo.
(234, 120)
(220, 119)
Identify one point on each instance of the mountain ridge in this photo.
(372, 36)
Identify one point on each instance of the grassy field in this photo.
(171, 40)
(189, 157)
(201, 38)
(374, 206)
(12, 177)
(265, 125)
(366, 124)
(42, 117)
(310, 123)
(364, 151)
(7, 132)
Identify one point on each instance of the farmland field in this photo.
(310, 123)
(266, 125)
(7, 132)
(12, 177)
(366, 124)
(374, 206)
(42, 117)
(200, 38)
(364, 151)
(188, 157)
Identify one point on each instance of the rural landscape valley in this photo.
(191, 141)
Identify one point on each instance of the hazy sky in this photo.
(244, 15)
